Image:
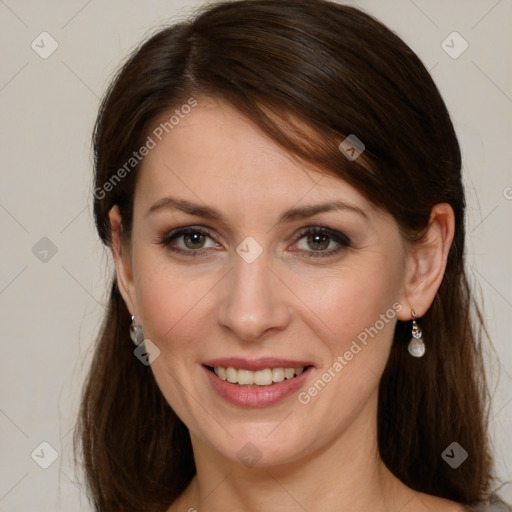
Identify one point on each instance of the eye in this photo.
(314, 241)
(188, 240)
(321, 242)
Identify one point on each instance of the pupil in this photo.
(196, 239)
(321, 241)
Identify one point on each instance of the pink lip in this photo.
(257, 396)
(256, 364)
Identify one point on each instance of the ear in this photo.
(426, 262)
(122, 260)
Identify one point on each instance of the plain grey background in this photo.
(53, 268)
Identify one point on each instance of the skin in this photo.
(314, 456)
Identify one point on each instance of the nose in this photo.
(252, 300)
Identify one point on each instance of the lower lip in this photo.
(256, 396)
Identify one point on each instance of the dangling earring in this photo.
(136, 333)
(416, 346)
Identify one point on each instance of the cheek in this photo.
(174, 303)
(173, 309)
(358, 316)
(171, 305)
(355, 303)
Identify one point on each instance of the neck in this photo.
(346, 474)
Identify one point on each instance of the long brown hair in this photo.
(308, 73)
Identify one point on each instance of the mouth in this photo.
(264, 377)
(256, 383)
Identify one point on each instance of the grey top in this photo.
(494, 505)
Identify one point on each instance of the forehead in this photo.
(216, 155)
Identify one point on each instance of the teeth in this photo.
(289, 373)
(265, 377)
(277, 374)
(232, 375)
(261, 377)
(245, 377)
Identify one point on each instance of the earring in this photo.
(416, 346)
(136, 333)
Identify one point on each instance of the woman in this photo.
(279, 183)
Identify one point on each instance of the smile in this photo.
(263, 377)
(262, 387)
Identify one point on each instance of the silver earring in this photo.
(416, 346)
(136, 333)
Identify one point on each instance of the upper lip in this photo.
(256, 364)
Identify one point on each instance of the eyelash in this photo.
(342, 241)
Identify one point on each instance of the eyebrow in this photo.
(297, 213)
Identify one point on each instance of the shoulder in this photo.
(495, 504)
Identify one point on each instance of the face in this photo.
(234, 264)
